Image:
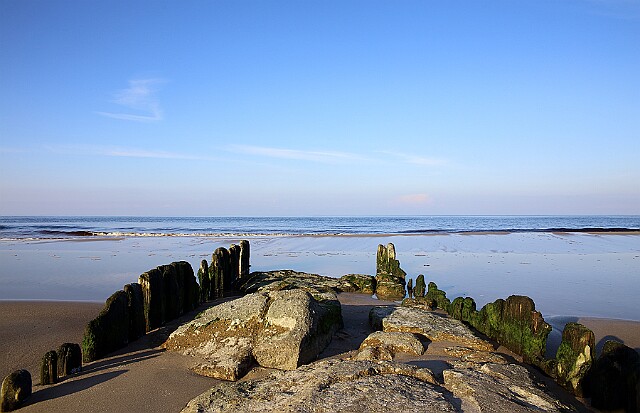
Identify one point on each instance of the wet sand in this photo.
(145, 377)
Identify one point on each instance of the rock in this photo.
(410, 288)
(49, 368)
(320, 287)
(203, 279)
(222, 337)
(390, 278)
(69, 359)
(389, 290)
(16, 388)
(492, 387)
(374, 354)
(277, 329)
(330, 386)
(516, 324)
(575, 357)
(365, 284)
(462, 309)
(297, 330)
(419, 302)
(469, 355)
(438, 296)
(615, 378)
(245, 253)
(390, 343)
(152, 292)
(430, 325)
(135, 307)
(109, 331)
(421, 287)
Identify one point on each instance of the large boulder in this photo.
(16, 388)
(365, 284)
(574, 358)
(390, 278)
(278, 329)
(615, 378)
(330, 386)
(322, 288)
(425, 323)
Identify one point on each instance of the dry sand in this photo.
(144, 377)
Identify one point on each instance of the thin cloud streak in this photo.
(123, 152)
(295, 154)
(139, 96)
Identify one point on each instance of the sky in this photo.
(277, 108)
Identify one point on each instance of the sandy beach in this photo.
(144, 377)
(586, 278)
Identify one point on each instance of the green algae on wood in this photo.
(574, 358)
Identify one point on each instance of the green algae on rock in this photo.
(439, 296)
(365, 284)
(390, 278)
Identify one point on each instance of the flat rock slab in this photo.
(428, 324)
(330, 386)
(492, 387)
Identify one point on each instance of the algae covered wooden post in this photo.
(16, 388)
(390, 278)
(49, 368)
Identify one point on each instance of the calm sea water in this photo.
(39, 227)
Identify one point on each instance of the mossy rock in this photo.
(390, 291)
(365, 284)
(419, 302)
(574, 358)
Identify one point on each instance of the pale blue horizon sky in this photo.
(319, 108)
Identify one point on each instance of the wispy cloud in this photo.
(140, 97)
(415, 159)
(295, 154)
(122, 152)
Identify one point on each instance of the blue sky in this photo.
(319, 108)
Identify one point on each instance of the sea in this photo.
(63, 227)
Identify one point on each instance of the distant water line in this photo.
(56, 227)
